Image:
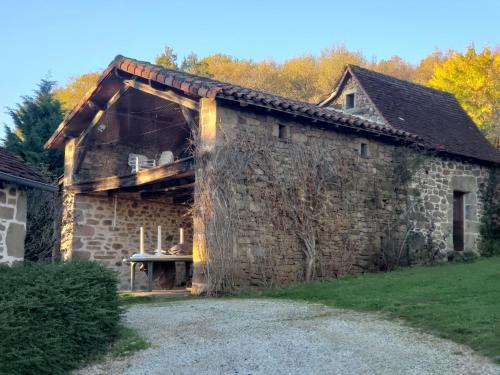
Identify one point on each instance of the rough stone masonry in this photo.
(13, 204)
(264, 254)
(93, 229)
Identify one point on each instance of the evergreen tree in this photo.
(35, 119)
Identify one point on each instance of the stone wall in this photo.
(91, 230)
(13, 204)
(265, 254)
(111, 159)
(104, 160)
(362, 104)
(434, 185)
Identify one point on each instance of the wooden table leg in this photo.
(132, 276)
(150, 276)
(189, 265)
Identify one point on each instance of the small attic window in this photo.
(349, 101)
(283, 131)
(363, 150)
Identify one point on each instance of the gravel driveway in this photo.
(241, 336)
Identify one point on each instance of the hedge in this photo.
(55, 317)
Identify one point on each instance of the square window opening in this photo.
(363, 150)
(283, 132)
(349, 101)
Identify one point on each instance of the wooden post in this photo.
(150, 276)
(69, 161)
(208, 140)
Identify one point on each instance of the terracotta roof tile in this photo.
(206, 87)
(209, 88)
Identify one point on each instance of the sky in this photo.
(60, 39)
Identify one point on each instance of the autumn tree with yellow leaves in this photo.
(474, 79)
(75, 89)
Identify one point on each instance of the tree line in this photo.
(472, 76)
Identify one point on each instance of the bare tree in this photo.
(306, 197)
(220, 172)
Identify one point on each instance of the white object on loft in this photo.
(138, 162)
(166, 157)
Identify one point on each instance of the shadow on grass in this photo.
(127, 343)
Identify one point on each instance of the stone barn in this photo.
(270, 190)
(15, 178)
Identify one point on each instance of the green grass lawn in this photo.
(460, 302)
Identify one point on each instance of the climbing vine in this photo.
(259, 197)
(304, 199)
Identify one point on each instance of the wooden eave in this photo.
(178, 169)
(110, 86)
(87, 106)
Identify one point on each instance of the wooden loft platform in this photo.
(176, 174)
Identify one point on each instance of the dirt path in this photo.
(241, 336)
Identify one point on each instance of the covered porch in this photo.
(129, 165)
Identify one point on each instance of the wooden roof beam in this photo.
(164, 94)
(167, 193)
(175, 190)
(83, 141)
(161, 186)
(186, 113)
(176, 170)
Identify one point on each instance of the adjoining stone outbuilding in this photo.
(270, 190)
(15, 178)
(442, 123)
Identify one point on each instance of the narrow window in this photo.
(349, 101)
(283, 132)
(458, 220)
(364, 150)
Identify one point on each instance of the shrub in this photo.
(55, 317)
(466, 256)
(490, 223)
(490, 247)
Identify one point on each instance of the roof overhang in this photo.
(195, 87)
(27, 182)
(337, 88)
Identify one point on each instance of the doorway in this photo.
(458, 220)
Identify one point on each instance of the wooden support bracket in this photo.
(84, 139)
(186, 113)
